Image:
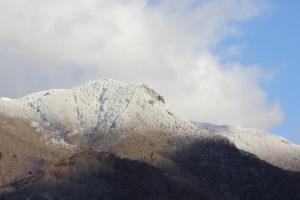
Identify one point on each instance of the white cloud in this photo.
(168, 45)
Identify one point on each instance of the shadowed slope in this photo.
(90, 175)
(269, 147)
(194, 169)
(233, 174)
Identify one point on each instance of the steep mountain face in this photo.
(111, 140)
(269, 147)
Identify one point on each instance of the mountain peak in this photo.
(97, 108)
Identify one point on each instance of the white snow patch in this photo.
(5, 99)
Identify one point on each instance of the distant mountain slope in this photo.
(272, 148)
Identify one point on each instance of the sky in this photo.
(220, 61)
(272, 40)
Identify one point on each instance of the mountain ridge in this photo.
(106, 108)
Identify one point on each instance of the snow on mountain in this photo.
(5, 99)
(272, 148)
(96, 108)
(113, 108)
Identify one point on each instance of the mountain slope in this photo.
(207, 169)
(272, 148)
(24, 151)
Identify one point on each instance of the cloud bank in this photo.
(167, 44)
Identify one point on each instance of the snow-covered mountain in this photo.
(112, 140)
(97, 108)
(103, 108)
(270, 147)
